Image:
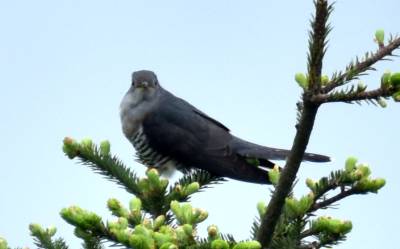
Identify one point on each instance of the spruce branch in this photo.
(355, 96)
(101, 161)
(317, 43)
(356, 69)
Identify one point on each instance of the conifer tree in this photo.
(160, 215)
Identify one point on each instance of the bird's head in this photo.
(145, 80)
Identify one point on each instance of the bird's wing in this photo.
(179, 130)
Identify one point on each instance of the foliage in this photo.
(160, 216)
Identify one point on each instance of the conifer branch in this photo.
(356, 96)
(317, 43)
(354, 70)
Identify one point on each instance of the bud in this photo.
(36, 229)
(116, 208)
(380, 36)
(154, 178)
(302, 80)
(381, 102)
(141, 242)
(261, 208)
(3, 243)
(176, 209)
(346, 227)
(310, 184)
(395, 80)
(385, 80)
(203, 214)
(305, 203)
(377, 184)
(350, 163)
(105, 148)
(293, 207)
(248, 245)
(70, 147)
(396, 96)
(168, 245)
(191, 188)
(212, 231)
(361, 87)
(135, 204)
(324, 80)
(363, 170)
(219, 244)
(158, 222)
(87, 142)
(274, 175)
(51, 231)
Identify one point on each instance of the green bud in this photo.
(293, 207)
(385, 80)
(380, 36)
(188, 229)
(302, 80)
(377, 184)
(219, 244)
(105, 148)
(135, 204)
(51, 231)
(261, 208)
(396, 96)
(203, 214)
(346, 227)
(116, 208)
(187, 214)
(169, 245)
(70, 147)
(158, 222)
(3, 243)
(324, 80)
(381, 102)
(213, 232)
(305, 203)
(87, 142)
(274, 175)
(161, 239)
(191, 188)
(141, 242)
(351, 163)
(361, 87)
(36, 229)
(121, 235)
(176, 209)
(321, 224)
(181, 235)
(310, 184)
(363, 170)
(154, 178)
(395, 80)
(164, 183)
(248, 245)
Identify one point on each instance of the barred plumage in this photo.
(149, 156)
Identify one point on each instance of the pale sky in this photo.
(65, 66)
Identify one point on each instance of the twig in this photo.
(362, 66)
(357, 96)
(329, 201)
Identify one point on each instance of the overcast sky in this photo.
(65, 66)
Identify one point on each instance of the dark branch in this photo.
(356, 96)
(355, 70)
(329, 201)
(305, 126)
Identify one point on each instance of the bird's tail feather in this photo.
(247, 149)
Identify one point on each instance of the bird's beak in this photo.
(143, 84)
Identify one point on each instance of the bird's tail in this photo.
(251, 150)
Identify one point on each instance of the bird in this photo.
(168, 132)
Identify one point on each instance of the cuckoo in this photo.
(168, 132)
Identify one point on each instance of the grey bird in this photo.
(167, 131)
